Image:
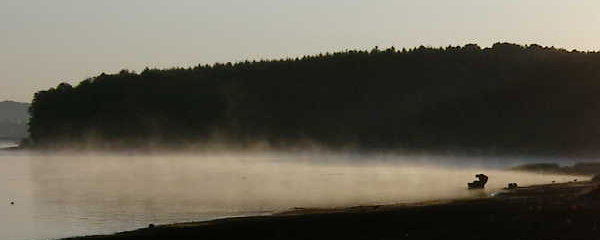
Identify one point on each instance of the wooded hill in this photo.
(507, 98)
(13, 120)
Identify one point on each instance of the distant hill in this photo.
(13, 119)
(505, 99)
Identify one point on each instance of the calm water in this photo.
(65, 195)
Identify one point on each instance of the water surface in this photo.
(62, 195)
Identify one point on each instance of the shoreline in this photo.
(14, 148)
(549, 211)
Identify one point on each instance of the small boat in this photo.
(478, 184)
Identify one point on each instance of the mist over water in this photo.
(63, 195)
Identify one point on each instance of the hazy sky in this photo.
(50, 41)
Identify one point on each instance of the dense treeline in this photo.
(504, 98)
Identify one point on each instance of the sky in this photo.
(46, 42)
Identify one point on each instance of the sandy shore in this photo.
(555, 211)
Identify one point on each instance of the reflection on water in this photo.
(66, 195)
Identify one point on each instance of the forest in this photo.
(507, 98)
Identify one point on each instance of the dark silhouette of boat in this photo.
(478, 184)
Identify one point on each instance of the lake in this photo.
(69, 194)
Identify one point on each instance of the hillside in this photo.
(13, 119)
(507, 98)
